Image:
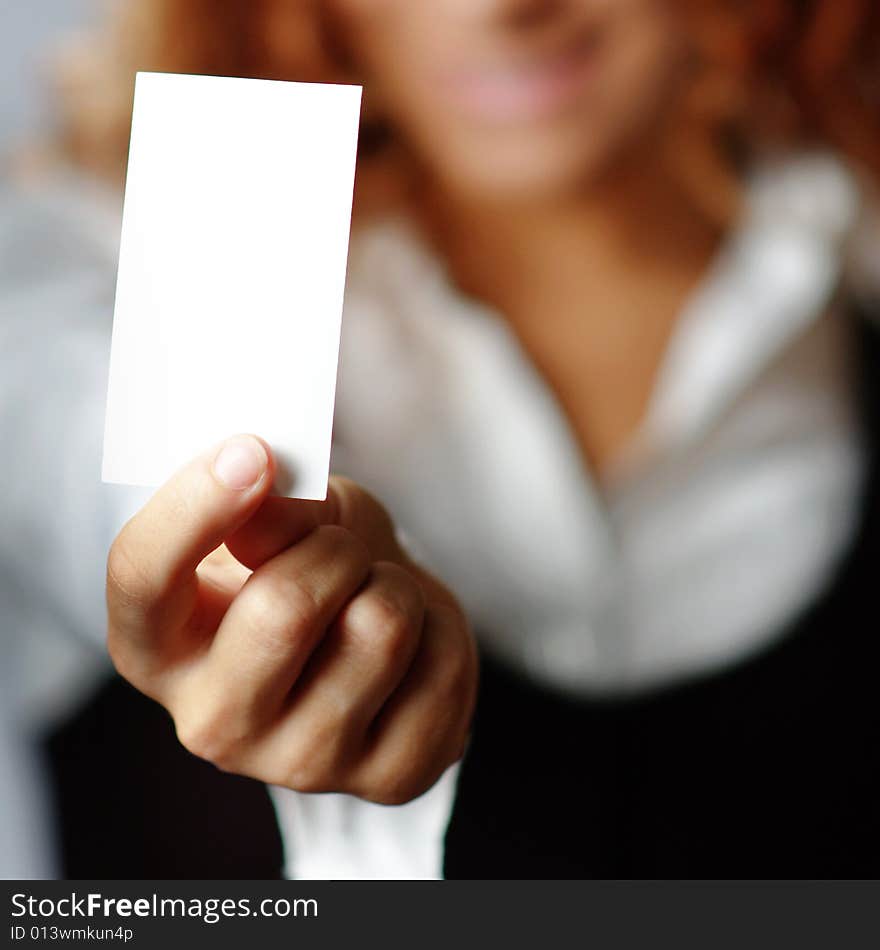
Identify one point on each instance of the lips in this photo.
(520, 91)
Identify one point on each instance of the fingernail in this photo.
(240, 463)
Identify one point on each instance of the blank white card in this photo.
(231, 274)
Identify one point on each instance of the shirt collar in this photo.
(774, 276)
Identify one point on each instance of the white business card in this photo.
(231, 274)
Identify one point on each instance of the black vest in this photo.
(768, 769)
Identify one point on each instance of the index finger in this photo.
(283, 522)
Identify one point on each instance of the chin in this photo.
(533, 168)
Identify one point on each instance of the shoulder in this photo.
(833, 201)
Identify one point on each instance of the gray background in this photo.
(28, 31)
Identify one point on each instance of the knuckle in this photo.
(195, 735)
(322, 753)
(381, 625)
(181, 506)
(405, 776)
(455, 663)
(454, 674)
(212, 735)
(128, 583)
(395, 787)
(343, 543)
(304, 776)
(308, 774)
(286, 610)
(395, 794)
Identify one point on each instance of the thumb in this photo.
(189, 517)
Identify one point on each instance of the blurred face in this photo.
(514, 98)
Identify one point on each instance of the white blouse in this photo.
(729, 512)
(727, 515)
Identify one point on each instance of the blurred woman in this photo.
(607, 366)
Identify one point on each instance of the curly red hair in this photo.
(764, 73)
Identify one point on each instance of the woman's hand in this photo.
(317, 656)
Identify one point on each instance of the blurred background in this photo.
(29, 33)
(93, 783)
